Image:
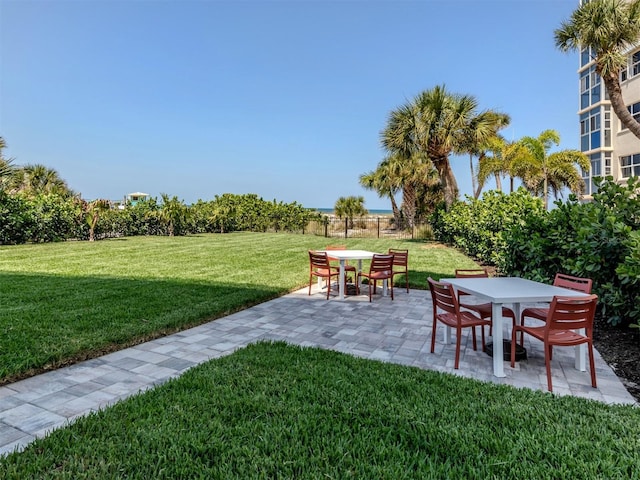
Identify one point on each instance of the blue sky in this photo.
(285, 99)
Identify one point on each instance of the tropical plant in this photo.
(436, 124)
(7, 169)
(542, 171)
(385, 184)
(36, 179)
(607, 28)
(172, 212)
(93, 210)
(501, 159)
(349, 208)
(477, 143)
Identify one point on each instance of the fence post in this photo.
(346, 227)
(378, 227)
(326, 227)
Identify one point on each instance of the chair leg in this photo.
(433, 336)
(310, 280)
(328, 287)
(592, 366)
(547, 364)
(458, 335)
(513, 346)
(473, 335)
(482, 335)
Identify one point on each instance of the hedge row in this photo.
(598, 239)
(47, 218)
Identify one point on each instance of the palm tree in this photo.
(436, 124)
(382, 181)
(7, 170)
(349, 208)
(93, 210)
(541, 171)
(502, 159)
(477, 143)
(608, 28)
(172, 212)
(38, 179)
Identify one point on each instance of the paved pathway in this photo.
(396, 331)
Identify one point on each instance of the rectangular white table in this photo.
(343, 256)
(514, 290)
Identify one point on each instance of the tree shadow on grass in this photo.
(50, 321)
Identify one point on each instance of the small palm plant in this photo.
(349, 208)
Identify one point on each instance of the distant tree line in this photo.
(36, 205)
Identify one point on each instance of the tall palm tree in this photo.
(435, 124)
(608, 28)
(542, 172)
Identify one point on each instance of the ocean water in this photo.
(371, 212)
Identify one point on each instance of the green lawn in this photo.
(74, 300)
(272, 410)
(277, 411)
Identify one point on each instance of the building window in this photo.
(630, 165)
(634, 68)
(607, 164)
(635, 111)
(585, 56)
(590, 133)
(607, 126)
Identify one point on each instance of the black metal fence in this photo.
(366, 227)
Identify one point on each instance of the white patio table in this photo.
(343, 256)
(514, 290)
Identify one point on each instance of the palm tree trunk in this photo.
(394, 208)
(447, 180)
(474, 179)
(498, 182)
(409, 203)
(612, 84)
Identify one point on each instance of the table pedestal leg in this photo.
(498, 354)
(341, 280)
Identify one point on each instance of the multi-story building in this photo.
(612, 149)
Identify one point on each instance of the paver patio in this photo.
(396, 331)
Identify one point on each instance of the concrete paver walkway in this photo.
(396, 331)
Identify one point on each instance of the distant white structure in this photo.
(133, 199)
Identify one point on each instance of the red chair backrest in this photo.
(574, 283)
(400, 257)
(472, 273)
(318, 259)
(571, 313)
(381, 263)
(443, 296)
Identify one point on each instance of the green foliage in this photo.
(598, 240)
(16, 219)
(350, 208)
(478, 227)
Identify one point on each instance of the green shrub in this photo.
(598, 240)
(478, 227)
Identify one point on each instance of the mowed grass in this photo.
(277, 411)
(63, 302)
